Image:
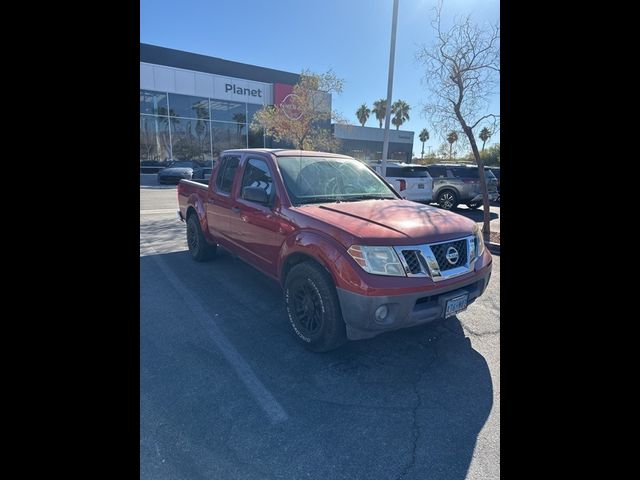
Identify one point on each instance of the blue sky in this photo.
(352, 37)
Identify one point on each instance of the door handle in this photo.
(235, 209)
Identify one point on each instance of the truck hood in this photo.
(390, 222)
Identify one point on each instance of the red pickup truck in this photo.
(354, 258)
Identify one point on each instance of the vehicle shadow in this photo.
(408, 403)
(451, 392)
(475, 215)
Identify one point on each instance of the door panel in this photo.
(220, 201)
(256, 228)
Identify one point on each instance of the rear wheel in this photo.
(448, 199)
(314, 308)
(474, 205)
(199, 248)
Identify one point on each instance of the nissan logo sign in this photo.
(452, 255)
(289, 107)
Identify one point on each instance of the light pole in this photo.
(392, 54)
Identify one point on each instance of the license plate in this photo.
(456, 305)
(421, 185)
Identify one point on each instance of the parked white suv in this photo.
(412, 181)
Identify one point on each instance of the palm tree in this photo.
(400, 109)
(451, 138)
(363, 114)
(380, 110)
(240, 119)
(484, 136)
(424, 136)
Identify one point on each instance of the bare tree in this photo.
(462, 73)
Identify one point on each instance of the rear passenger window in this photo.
(394, 172)
(490, 174)
(224, 182)
(465, 172)
(437, 171)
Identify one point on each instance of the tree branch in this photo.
(482, 118)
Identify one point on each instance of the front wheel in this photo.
(474, 205)
(199, 248)
(313, 307)
(447, 199)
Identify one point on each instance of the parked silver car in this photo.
(454, 184)
(176, 171)
(410, 181)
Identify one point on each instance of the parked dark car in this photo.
(180, 170)
(496, 173)
(460, 183)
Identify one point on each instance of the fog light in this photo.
(381, 313)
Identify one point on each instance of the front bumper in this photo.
(405, 310)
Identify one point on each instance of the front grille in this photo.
(430, 260)
(440, 252)
(413, 262)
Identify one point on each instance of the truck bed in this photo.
(191, 193)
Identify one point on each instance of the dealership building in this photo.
(365, 143)
(192, 107)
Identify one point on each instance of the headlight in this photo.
(377, 260)
(478, 242)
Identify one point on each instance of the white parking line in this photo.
(264, 398)
(158, 210)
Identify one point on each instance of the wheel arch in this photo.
(447, 187)
(321, 249)
(296, 258)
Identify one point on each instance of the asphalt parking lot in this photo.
(226, 391)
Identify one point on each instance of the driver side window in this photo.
(257, 174)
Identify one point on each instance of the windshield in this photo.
(320, 180)
(183, 164)
(408, 172)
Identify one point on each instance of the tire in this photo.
(313, 308)
(448, 199)
(474, 206)
(199, 248)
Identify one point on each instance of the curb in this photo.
(494, 248)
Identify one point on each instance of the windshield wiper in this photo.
(318, 199)
(367, 197)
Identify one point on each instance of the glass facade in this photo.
(184, 127)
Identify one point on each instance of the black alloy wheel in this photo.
(307, 308)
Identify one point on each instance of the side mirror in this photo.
(255, 194)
